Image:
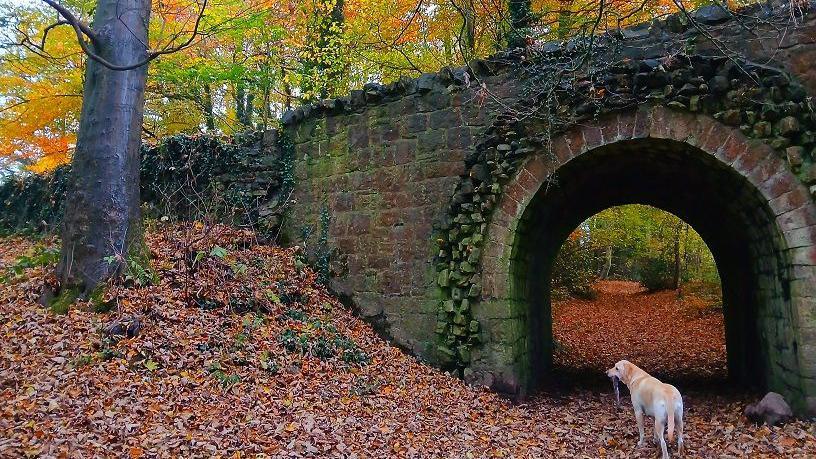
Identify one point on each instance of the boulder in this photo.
(772, 410)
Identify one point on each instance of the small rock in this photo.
(719, 84)
(711, 15)
(772, 410)
(794, 155)
(127, 326)
(788, 126)
(732, 117)
(762, 129)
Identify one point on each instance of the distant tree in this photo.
(324, 58)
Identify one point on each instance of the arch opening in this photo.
(725, 209)
(639, 283)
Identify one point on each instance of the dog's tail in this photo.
(670, 414)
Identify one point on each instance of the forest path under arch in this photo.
(676, 335)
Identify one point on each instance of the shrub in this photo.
(310, 336)
(575, 268)
(655, 273)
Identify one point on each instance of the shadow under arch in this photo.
(726, 210)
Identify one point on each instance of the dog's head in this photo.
(622, 370)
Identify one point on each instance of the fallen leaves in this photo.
(669, 336)
(207, 375)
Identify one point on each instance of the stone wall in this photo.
(386, 173)
(402, 173)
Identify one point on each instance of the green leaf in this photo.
(270, 295)
(150, 365)
(218, 252)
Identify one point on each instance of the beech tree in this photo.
(102, 227)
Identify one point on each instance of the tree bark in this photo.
(520, 12)
(676, 272)
(207, 103)
(102, 223)
(607, 262)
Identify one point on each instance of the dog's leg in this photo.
(639, 417)
(679, 424)
(659, 427)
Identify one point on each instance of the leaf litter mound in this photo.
(240, 352)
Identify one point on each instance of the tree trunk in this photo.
(676, 272)
(520, 12)
(244, 104)
(468, 38)
(607, 262)
(239, 101)
(249, 109)
(207, 102)
(102, 224)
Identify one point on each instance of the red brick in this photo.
(528, 182)
(748, 160)
(641, 126)
(732, 148)
(659, 122)
(704, 128)
(561, 149)
(778, 184)
(797, 218)
(626, 125)
(717, 136)
(575, 140)
(609, 128)
(766, 170)
(539, 168)
(681, 125)
(593, 137)
(516, 193)
(789, 201)
(503, 216)
(801, 237)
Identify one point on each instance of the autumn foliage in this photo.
(251, 60)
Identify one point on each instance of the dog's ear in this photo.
(626, 371)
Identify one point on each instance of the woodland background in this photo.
(249, 61)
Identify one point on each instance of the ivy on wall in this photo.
(245, 179)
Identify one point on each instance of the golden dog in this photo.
(653, 398)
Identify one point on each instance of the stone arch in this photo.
(758, 219)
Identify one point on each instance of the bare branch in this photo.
(80, 27)
(83, 30)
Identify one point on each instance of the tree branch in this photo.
(83, 30)
(80, 27)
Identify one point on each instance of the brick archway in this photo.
(755, 215)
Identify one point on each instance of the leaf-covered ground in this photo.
(241, 353)
(673, 336)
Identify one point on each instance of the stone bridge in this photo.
(448, 196)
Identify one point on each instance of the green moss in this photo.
(63, 301)
(97, 300)
(137, 265)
